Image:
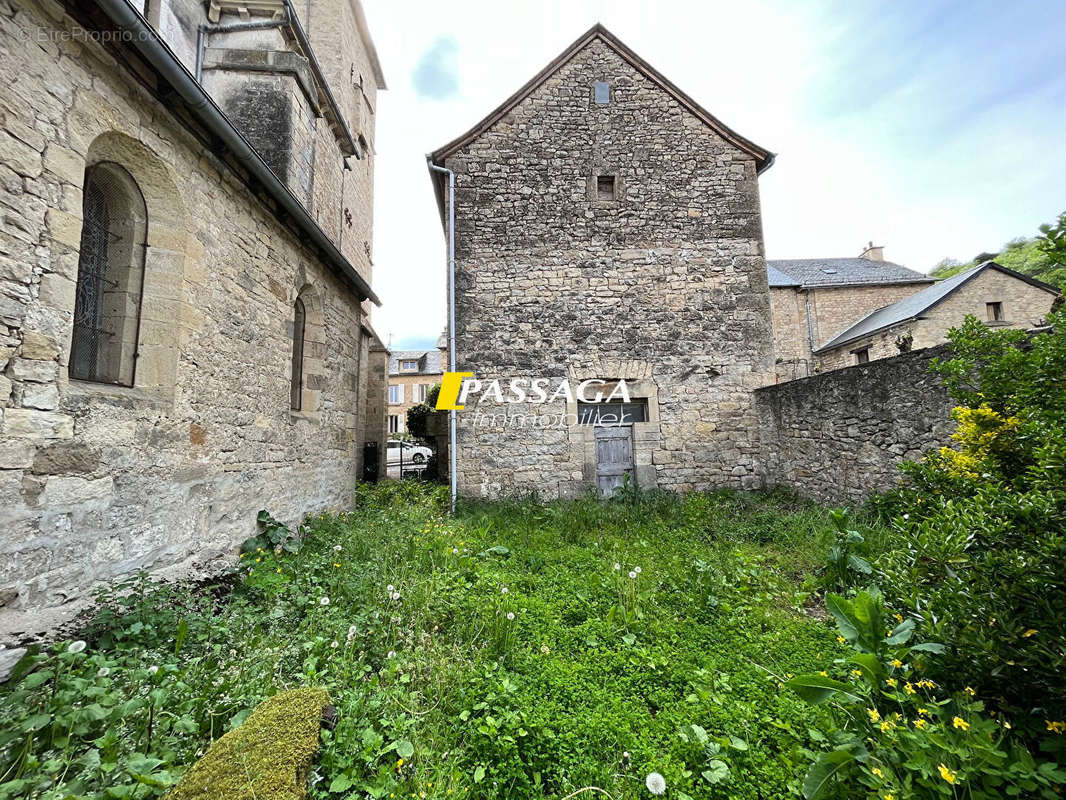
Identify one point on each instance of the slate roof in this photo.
(917, 304)
(827, 272)
(429, 362)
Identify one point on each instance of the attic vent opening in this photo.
(829, 271)
(605, 187)
(602, 93)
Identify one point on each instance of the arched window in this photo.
(107, 305)
(296, 385)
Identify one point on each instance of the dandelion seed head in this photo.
(76, 647)
(510, 615)
(636, 570)
(656, 783)
(324, 601)
(632, 574)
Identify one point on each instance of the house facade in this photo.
(608, 228)
(813, 300)
(999, 296)
(411, 375)
(184, 286)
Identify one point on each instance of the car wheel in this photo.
(418, 458)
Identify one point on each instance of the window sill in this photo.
(998, 323)
(121, 395)
(309, 416)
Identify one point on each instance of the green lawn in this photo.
(647, 636)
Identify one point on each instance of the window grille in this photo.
(107, 302)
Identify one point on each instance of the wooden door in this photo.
(614, 457)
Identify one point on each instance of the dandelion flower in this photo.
(337, 548)
(656, 783)
(633, 575)
(76, 647)
(947, 774)
(959, 722)
(510, 615)
(334, 644)
(395, 595)
(455, 551)
(636, 570)
(390, 588)
(617, 567)
(324, 601)
(503, 590)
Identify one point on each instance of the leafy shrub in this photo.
(978, 558)
(894, 735)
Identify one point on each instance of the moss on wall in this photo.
(266, 758)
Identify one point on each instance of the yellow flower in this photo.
(909, 689)
(1029, 633)
(856, 673)
(876, 771)
(1056, 727)
(841, 639)
(278, 570)
(969, 690)
(891, 682)
(920, 724)
(890, 796)
(925, 683)
(923, 711)
(959, 722)
(399, 763)
(823, 673)
(875, 717)
(886, 726)
(897, 663)
(947, 774)
(898, 616)
(336, 564)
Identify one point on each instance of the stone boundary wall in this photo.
(838, 436)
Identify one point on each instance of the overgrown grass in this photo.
(518, 650)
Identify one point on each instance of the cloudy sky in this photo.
(934, 127)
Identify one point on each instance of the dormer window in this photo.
(409, 366)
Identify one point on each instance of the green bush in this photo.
(978, 555)
(894, 733)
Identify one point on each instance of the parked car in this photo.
(412, 453)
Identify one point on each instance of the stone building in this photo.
(184, 283)
(1001, 297)
(411, 375)
(608, 227)
(813, 300)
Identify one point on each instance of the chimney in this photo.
(872, 253)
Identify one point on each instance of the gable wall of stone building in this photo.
(98, 481)
(832, 310)
(665, 285)
(1024, 306)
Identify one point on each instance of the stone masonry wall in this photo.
(666, 284)
(97, 481)
(839, 436)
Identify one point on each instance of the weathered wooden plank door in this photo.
(614, 456)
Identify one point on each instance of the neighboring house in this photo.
(411, 375)
(1001, 297)
(184, 285)
(607, 226)
(813, 300)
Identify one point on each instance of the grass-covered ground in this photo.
(517, 650)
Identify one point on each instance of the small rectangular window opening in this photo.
(995, 311)
(605, 187)
(862, 356)
(602, 93)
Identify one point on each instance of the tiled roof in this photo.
(428, 362)
(827, 272)
(917, 304)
